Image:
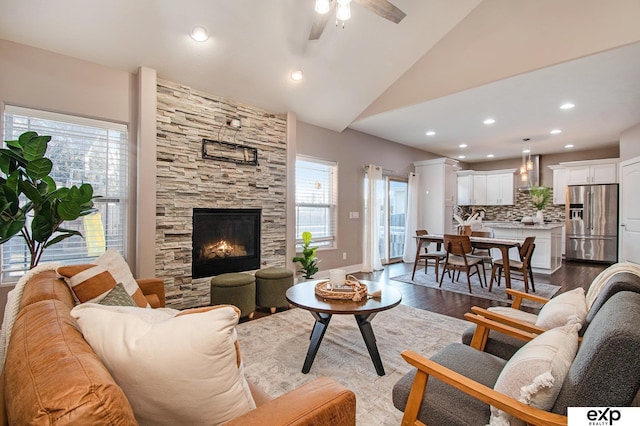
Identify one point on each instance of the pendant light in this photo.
(343, 11)
(527, 164)
(322, 6)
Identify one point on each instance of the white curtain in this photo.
(409, 255)
(371, 251)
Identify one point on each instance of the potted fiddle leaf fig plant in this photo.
(308, 260)
(32, 206)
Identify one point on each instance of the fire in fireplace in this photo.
(225, 240)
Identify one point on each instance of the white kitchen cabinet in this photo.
(593, 173)
(559, 184)
(499, 188)
(437, 193)
(465, 189)
(479, 190)
(485, 188)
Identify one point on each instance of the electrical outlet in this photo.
(344, 255)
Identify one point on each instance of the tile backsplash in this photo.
(522, 207)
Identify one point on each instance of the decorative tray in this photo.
(353, 290)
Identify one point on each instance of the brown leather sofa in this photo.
(51, 374)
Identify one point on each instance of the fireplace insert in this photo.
(225, 240)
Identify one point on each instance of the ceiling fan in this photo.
(325, 9)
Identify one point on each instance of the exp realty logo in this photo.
(603, 416)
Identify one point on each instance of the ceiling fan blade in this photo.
(320, 21)
(383, 8)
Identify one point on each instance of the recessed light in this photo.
(462, 145)
(430, 133)
(569, 146)
(199, 33)
(490, 155)
(555, 131)
(567, 105)
(489, 121)
(296, 75)
(461, 156)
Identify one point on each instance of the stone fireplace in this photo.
(186, 182)
(225, 240)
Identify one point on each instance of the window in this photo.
(316, 195)
(82, 151)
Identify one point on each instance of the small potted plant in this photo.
(308, 260)
(540, 196)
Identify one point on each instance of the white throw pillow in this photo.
(92, 282)
(174, 369)
(567, 308)
(535, 373)
(514, 313)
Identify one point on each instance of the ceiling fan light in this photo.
(322, 6)
(343, 13)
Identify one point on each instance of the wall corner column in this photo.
(290, 251)
(145, 228)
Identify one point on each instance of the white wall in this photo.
(352, 150)
(630, 143)
(40, 79)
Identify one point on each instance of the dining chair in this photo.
(458, 249)
(522, 266)
(484, 254)
(436, 256)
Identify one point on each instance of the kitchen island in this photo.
(547, 256)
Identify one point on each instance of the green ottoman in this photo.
(236, 289)
(271, 285)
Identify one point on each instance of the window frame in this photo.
(327, 242)
(109, 142)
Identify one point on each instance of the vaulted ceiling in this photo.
(446, 67)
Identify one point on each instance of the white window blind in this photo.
(316, 197)
(82, 151)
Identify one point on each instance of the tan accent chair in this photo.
(436, 256)
(457, 259)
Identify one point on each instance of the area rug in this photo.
(274, 347)
(543, 288)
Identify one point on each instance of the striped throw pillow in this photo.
(92, 282)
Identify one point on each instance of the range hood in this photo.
(533, 176)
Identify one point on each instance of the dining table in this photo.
(504, 245)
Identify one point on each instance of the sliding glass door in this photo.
(393, 217)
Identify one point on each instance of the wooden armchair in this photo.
(504, 345)
(426, 367)
(455, 386)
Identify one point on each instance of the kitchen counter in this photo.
(520, 225)
(547, 255)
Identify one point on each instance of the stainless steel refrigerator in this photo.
(592, 222)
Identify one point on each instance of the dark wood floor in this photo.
(571, 275)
